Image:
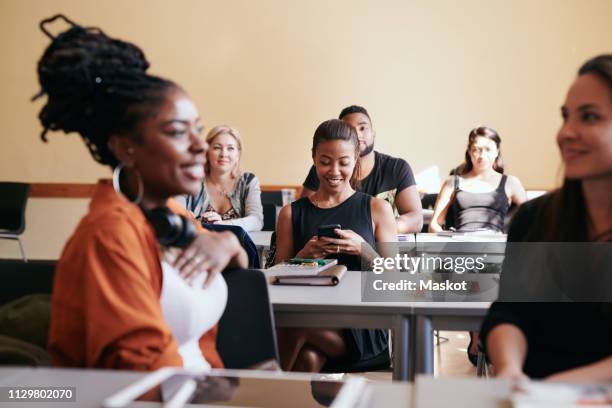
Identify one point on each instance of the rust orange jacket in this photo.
(106, 310)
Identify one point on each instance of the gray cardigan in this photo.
(246, 200)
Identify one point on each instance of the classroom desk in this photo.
(262, 238)
(341, 306)
(93, 386)
(426, 317)
(458, 237)
(412, 322)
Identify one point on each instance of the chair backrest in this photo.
(269, 214)
(271, 257)
(244, 238)
(428, 201)
(451, 215)
(25, 289)
(246, 330)
(272, 197)
(13, 200)
(18, 278)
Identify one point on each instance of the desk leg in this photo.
(402, 369)
(424, 345)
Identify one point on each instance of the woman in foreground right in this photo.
(566, 341)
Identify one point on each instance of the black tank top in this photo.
(354, 214)
(481, 210)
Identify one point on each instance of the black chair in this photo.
(379, 362)
(246, 333)
(269, 215)
(25, 289)
(272, 197)
(18, 278)
(271, 256)
(428, 201)
(244, 238)
(12, 211)
(271, 201)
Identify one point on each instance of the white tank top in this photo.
(191, 310)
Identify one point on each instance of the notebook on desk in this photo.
(307, 272)
(301, 267)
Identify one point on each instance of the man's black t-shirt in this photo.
(389, 176)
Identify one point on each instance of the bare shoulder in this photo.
(379, 205)
(514, 183)
(285, 213)
(448, 184)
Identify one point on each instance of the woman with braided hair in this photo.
(122, 299)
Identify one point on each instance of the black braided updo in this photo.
(96, 86)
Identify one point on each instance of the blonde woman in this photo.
(228, 196)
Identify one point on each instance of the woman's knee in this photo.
(310, 360)
(330, 342)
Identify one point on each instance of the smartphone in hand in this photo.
(328, 231)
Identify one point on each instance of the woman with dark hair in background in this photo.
(481, 195)
(121, 299)
(566, 341)
(479, 189)
(364, 220)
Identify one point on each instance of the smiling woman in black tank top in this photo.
(364, 220)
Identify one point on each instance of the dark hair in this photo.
(354, 109)
(601, 66)
(565, 219)
(335, 129)
(96, 86)
(486, 132)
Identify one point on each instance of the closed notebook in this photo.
(301, 267)
(330, 276)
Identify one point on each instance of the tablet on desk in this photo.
(176, 387)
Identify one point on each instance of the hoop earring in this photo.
(117, 185)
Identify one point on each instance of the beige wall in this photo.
(49, 223)
(427, 71)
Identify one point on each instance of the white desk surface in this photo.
(262, 238)
(93, 386)
(466, 237)
(347, 295)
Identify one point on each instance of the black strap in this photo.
(502, 183)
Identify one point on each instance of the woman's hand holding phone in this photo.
(348, 242)
(332, 241)
(315, 248)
